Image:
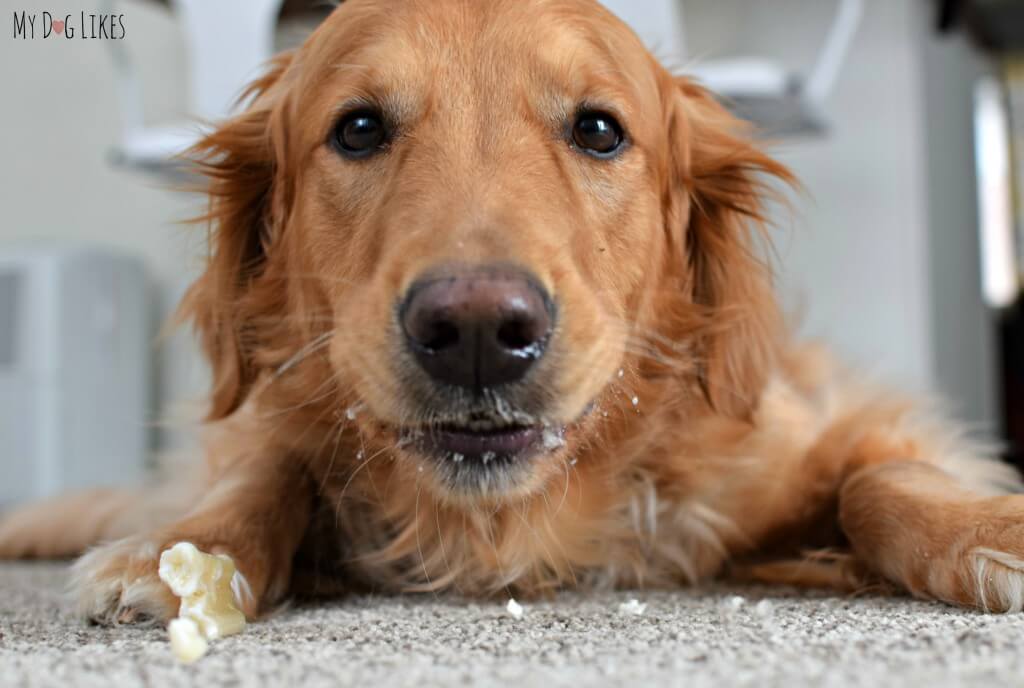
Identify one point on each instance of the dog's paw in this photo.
(994, 559)
(998, 580)
(118, 583)
(984, 565)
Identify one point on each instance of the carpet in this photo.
(713, 636)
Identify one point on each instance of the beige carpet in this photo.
(690, 638)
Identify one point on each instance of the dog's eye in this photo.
(360, 134)
(598, 134)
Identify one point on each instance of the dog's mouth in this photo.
(485, 442)
(495, 450)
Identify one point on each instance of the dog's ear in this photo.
(239, 162)
(719, 181)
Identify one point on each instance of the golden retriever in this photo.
(485, 313)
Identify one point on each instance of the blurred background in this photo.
(904, 119)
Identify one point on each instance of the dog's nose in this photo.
(477, 327)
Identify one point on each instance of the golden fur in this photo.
(701, 440)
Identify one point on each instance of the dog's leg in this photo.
(915, 524)
(65, 526)
(254, 512)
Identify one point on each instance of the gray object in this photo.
(74, 370)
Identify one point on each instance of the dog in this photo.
(486, 314)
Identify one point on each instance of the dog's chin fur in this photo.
(698, 437)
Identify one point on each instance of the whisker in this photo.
(303, 353)
(362, 464)
(543, 544)
(419, 544)
(565, 492)
(444, 553)
(505, 582)
(329, 383)
(334, 455)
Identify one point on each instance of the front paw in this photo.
(118, 583)
(994, 560)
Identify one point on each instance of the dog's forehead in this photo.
(446, 51)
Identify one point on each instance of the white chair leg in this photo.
(228, 42)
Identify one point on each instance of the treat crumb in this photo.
(552, 439)
(514, 609)
(633, 607)
(733, 604)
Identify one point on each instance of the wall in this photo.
(963, 331)
(60, 126)
(879, 256)
(852, 255)
(60, 123)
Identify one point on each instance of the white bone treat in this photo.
(204, 584)
(187, 642)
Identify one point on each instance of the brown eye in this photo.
(597, 134)
(360, 134)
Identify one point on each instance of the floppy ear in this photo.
(720, 181)
(238, 160)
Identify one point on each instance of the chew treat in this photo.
(187, 642)
(204, 584)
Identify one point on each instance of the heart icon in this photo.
(58, 25)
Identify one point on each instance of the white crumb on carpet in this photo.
(633, 607)
(732, 604)
(514, 609)
(764, 609)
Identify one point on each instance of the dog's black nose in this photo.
(477, 327)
